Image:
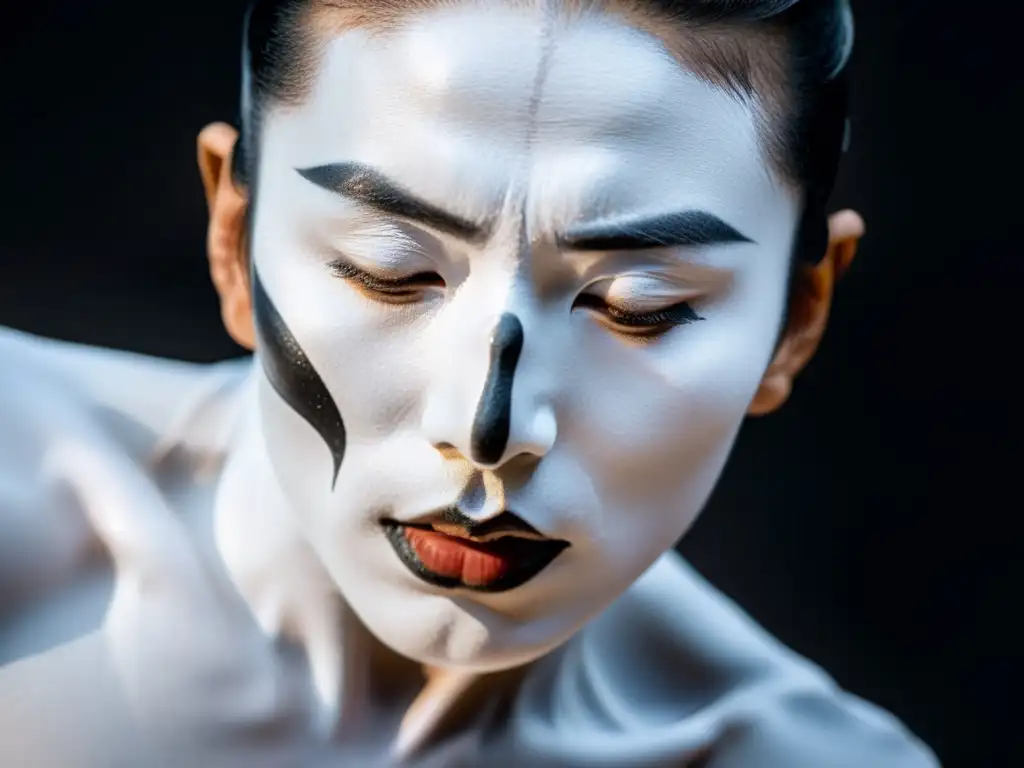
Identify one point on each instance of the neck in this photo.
(361, 685)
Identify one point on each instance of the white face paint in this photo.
(614, 442)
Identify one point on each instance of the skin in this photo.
(196, 574)
(614, 443)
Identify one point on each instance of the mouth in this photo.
(450, 557)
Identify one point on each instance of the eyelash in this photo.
(644, 325)
(394, 290)
(403, 290)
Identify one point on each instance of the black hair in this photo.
(812, 135)
(272, 43)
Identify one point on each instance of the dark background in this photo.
(868, 525)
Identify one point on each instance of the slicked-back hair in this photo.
(786, 58)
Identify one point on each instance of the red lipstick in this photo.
(451, 560)
(472, 563)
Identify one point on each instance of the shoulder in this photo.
(120, 404)
(815, 727)
(140, 400)
(674, 673)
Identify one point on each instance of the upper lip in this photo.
(454, 522)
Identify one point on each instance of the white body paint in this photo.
(493, 112)
(255, 618)
(240, 653)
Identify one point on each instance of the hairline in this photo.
(702, 49)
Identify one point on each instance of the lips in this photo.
(451, 561)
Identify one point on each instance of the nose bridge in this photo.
(514, 415)
(492, 423)
(502, 414)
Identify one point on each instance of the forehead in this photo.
(473, 105)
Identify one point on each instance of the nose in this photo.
(509, 418)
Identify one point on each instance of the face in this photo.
(515, 290)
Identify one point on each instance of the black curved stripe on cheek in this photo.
(293, 376)
(493, 419)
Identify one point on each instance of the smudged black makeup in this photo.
(293, 377)
(493, 420)
(506, 522)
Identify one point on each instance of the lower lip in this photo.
(449, 562)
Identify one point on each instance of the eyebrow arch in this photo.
(681, 228)
(368, 186)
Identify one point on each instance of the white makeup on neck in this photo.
(542, 368)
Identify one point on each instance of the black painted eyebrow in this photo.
(368, 186)
(693, 228)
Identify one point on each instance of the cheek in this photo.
(355, 373)
(362, 351)
(662, 417)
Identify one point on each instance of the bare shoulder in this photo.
(124, 388)
(675, 646)
(52, 393)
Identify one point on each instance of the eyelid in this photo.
(347, 270)
(371, 234)
(383, 261)
(378, 247)
(651, 292)
(640, 326)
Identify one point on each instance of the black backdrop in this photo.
(868, 525)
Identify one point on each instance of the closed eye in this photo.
(644, 325)
(390, 289)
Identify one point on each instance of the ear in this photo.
(809, 305)
(225, 240)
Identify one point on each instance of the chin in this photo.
(491, 660)
(482, 661)
(450, 631)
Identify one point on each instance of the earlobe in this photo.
(810, 302)
(225, 241)
(772, 393)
